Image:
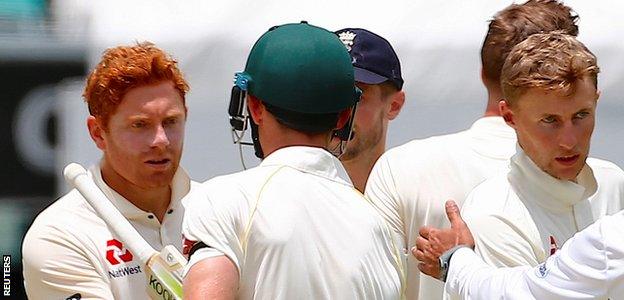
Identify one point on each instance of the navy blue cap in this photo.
(373, 58)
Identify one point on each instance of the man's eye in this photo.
(170, 121)
(549, 119)
(139, 124)
(581, 115)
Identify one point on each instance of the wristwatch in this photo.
(445, 260)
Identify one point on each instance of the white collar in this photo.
(313, 160)
(180, 186)
(528, 180)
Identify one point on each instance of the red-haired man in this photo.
(137, 116)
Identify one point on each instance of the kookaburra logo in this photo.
(347, 38)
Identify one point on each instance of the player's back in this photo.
(326, 237)
(296, 228)
(410, 183)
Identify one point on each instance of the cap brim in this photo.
(366, 76)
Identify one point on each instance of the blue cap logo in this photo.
(347, 38)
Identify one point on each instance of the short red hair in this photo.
(125, 67)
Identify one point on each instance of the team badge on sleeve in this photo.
(542, 270)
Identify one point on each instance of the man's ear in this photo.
(506, 113)
(397, 101)
(343, 118)
(256, 109)
(96, 131)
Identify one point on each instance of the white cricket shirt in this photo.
(589, 266)
(70, 250)
(296, 229)
(524, 216)
(409, 184)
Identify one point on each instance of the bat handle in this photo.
(77, 176)
(72, 171)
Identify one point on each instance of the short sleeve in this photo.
(216, 222)
(56, 267)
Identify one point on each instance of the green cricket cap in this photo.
(301, 68)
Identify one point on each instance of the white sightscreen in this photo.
(438, 43)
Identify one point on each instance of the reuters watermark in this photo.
(6, 275)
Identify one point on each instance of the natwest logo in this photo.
(115, 253)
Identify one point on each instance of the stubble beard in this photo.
(360, 144)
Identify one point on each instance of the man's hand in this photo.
(433, 242)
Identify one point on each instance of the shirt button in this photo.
(150, 216)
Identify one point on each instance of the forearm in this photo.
(471, 278)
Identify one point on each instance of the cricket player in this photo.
(552, 189)
(410, 183)
(377, 73)
(588, 266)
(137, 115)
(294, 227)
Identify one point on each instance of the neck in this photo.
(495, 95)
(523, 155)
(360, 166)
(155, 200)
(288, 137)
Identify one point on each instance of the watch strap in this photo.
(445, 260)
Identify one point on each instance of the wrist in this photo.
(445, 260)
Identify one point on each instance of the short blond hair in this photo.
(515, 23)
(550, 61)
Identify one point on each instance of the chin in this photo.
(569, 175)
(158, 180)
(568, 178)
(152, 184)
